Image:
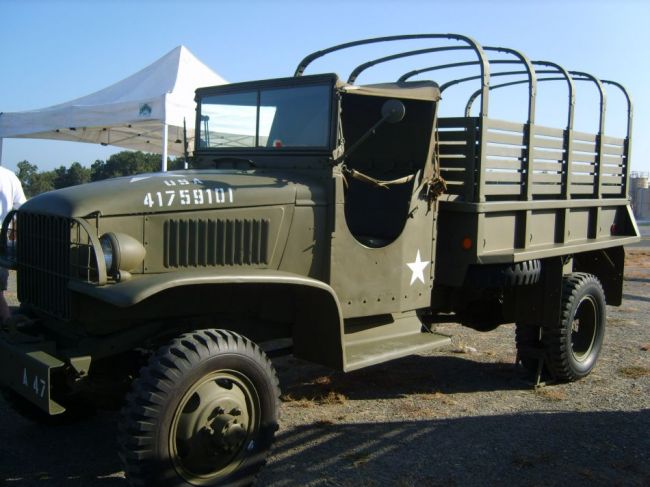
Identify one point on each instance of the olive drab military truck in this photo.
(333, 220)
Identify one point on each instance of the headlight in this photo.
(121, 252)
(107, 248)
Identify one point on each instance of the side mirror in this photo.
(393, 111)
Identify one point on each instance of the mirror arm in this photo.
(361, 139)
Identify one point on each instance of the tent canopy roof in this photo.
(129, 113)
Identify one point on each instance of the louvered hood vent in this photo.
(196, 243)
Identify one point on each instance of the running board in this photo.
(367, 343)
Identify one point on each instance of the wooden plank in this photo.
(452, 156)
(580, 157)
(549, 143)
(613, 140)
(504, 138)
(502, 164)
(503, 151)
(549, 131)
(609, 180)
(506, 177)
(547, 188)
(616, 190)
(577, 189)
(614, 150)
(493, 123)
(613, 171)
(554, 155)
(546, 166)
(582, 178)
(502, 189)
(612, 159)
(584, 136)
(547, 178)
(584, 147)
(582, 166)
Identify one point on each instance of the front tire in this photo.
(574, 343)
(203, 412)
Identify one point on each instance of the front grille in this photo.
(50, 251)
(195, 243)
(43, 254)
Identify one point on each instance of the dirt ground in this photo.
(461, 416)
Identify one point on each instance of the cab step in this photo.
(387, 337)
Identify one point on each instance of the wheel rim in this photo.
(584, 328)
(214, 426)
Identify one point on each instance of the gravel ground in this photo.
(461, 416)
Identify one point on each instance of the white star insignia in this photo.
(417, 268)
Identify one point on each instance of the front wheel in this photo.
(203, 413)
(574, 343)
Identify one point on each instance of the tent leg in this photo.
(164, 148)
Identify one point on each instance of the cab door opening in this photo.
(375, 215)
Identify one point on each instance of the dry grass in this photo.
(550, 393)
(620, 322)
(637, 258)
(634, 371)
(307, 401)
(438, 397)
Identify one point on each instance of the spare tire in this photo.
(524, 273)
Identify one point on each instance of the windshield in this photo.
(287, 117)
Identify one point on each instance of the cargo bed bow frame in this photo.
(570, 186)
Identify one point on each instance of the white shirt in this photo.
(11, 192)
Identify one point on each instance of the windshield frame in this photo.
(326, 79)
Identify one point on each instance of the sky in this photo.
(53, 51)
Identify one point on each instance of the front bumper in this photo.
(30, 371)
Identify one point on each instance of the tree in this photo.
(124, 163)
(34, 182)
(75, 174)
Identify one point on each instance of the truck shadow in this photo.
(410, 375)
(83, 453)
(526, 449)
(632, 297)
(540, 448)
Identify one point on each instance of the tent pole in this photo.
(1, 151)
(164, 148)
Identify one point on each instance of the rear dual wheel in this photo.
(571, 346)
(203, 412)
(574, 343)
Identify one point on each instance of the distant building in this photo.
(640, 194)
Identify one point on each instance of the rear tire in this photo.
(203, 412)
(574, 343)
(527, 339)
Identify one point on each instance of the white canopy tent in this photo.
(142, 112)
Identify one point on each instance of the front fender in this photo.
(318, 324)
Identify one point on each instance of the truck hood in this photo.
(181, 191)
